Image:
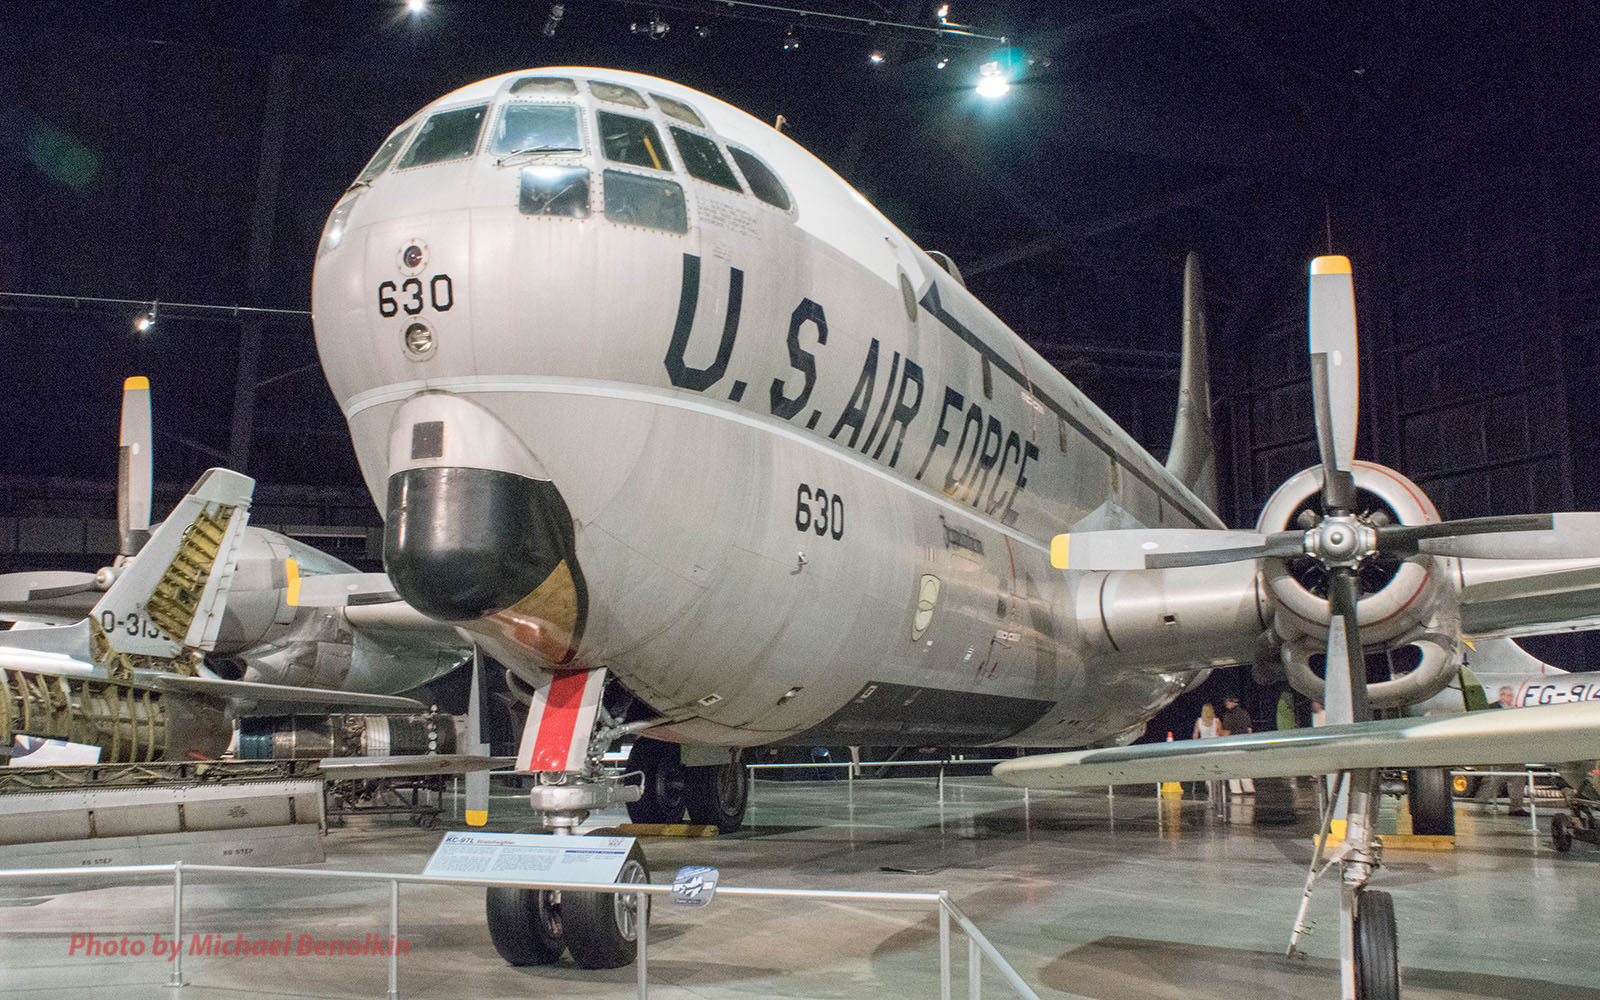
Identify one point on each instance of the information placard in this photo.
(531, 857)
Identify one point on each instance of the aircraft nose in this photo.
(489, 549)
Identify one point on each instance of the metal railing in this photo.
(978, 946)
(1527, 775)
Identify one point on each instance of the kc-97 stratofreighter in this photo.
(695, 442)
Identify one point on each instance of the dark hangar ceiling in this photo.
(188, 152)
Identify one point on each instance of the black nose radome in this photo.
(463, 543)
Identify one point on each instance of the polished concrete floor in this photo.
(1111, 898)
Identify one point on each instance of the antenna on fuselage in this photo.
(779, 122)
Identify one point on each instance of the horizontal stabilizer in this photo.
(336, 590)
(415, 765)
(1552, 734)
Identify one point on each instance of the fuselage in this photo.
(642, 384)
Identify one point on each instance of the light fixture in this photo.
(876, 58)
(702, 31)
(942, 62)
(557, 12)
(655, 29)
(944, 13)
(791, 41)
(147, 321)
(992, 80)
(416, 6)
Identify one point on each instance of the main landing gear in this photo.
(712, 794)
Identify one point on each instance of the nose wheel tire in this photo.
(1377, 947)
(525, 924)
(665, 780)
(602, 928)
(717, 795)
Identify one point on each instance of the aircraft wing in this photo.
(216, 687)
(1546, 733)
(1533, 597)
(414, 765)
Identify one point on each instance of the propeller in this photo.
(1335, 389)
(134, 475)
(1342, 541)
(477, 805)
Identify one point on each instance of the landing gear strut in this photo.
(600, 929)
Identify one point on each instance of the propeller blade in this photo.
(1154, 548)
(1571, 535)
(133, 467)
(1335, 385)
(477, 805)
(1347, 665)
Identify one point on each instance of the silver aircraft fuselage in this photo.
(769, 463)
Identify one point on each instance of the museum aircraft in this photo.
(128, 678)
(294, 615)
(702, 448)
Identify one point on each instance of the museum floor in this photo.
(1085, 895)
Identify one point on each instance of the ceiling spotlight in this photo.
(147, 320)
(944, 12)
(701, 31)
(557, 12)
(791, 41)
(416, 6)
(942, 63)
(655, 29)
(876, 58)
(992, 80)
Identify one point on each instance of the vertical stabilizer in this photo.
(172, 595)
(1193, 456)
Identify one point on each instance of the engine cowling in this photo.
(1402, 602)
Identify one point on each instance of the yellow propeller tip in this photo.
(135, 382)
(1331, 264)
(477, 817)
(1058, 551)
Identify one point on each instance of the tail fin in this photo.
(171, 597)
(1193, 456)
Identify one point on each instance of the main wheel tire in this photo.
(1433, 806)
(665, 779)
(1561, 832)
(1377, 947)
(602, 927)
(524, 924)
(717, 795)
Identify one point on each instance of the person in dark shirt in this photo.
(1235, 721)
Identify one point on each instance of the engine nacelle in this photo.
(1397, 597)
(1414, 601)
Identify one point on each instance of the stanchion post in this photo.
(974, 969)
(641, 922)
(394, 939)
(944, 946)
(1533, 808)
(177, 925)
(941, 783)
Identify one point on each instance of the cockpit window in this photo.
(703, 160)
(617, 95)
(633, 141)
(386, 153)
(448, 135)
(651, 202)
(544, 86)
(537, 128)
(678, 110)
(764, 184)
